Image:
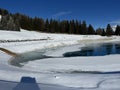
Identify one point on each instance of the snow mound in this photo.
(23, 35)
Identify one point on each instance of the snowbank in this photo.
(50, 40)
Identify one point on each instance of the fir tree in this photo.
(84, 28)
(109, 30)
(3, 12)
(77, 27)
(103, 33)
(117, 31)
(47, 25)
(91, 30)
(99, 31)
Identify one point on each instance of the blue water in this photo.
(96, 50)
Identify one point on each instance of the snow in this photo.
(66, 72)
(52, 40)
(76, 64)
(23, 35)
(107, 84)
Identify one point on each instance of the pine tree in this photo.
(109, 30)
(99, 31)
(103, 33)
(91, 30)
(42, 24)
(37, 24)
(117, 31)
(84, 28)
(63, 26)
(3, 12)
(67, 27)
(77, 27)
(72, 27)
(80, 28)
(47, 25)
(56, 26)
(52, 26)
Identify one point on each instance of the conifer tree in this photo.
(77, 27)
(84, 28)
(72, 27)
(109, 30)
(3, 12)
(117, 31)
(91, 30)
(99, 31)
(103, 33)
(47, 25)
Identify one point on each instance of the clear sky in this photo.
(96, 12)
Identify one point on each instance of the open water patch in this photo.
(96, 50)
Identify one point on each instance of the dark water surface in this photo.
(96, 50)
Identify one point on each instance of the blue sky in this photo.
(96, 12)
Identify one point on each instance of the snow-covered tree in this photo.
(8, 23)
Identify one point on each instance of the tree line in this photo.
(59, 26)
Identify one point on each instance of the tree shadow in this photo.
(27, 83)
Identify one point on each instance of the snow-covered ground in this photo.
(52, 40)
(60, 71)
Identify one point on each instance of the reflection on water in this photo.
(27, 83)
(95, 50)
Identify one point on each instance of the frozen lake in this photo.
(100, 49)
(96, 50)
(53, 70)
(62, 72)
